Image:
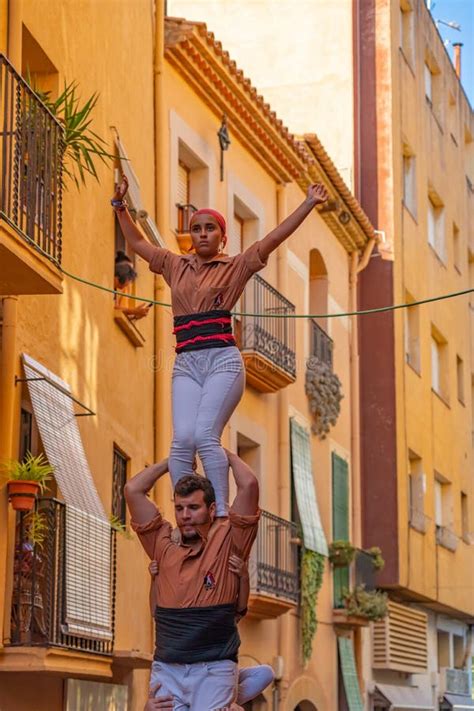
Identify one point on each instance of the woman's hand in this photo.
(153, 568)
(121, 189)
(158, 703)
(317, 193)
(238, 566)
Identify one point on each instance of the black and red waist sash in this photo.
(208, 329)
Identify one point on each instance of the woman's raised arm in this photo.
(130, 231)
(317, 194)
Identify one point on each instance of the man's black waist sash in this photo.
(187, 635)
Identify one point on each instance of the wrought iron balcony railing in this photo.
(185, 212)
(31, 159)
(274, 563)
(321, 344)
(39, 586)
(269, 333)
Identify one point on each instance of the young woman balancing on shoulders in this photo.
(208, 376)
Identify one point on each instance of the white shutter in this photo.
(183, 184)
(88, 574)
(435, 382)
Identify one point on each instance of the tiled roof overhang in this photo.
(215, 78)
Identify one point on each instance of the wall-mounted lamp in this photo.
(344, 217)
(224, 142)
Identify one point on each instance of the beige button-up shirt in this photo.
(216, 284)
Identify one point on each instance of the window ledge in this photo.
(407, 61)
(417, 371)
(441, 397)
(413, 217)
(438, 256)
(128, 328)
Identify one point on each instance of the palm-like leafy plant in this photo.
(82, 145)
(32, 468)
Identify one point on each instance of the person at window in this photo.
(124, 276)
(208, 377)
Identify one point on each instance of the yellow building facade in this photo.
(164, 87)
(398, 121)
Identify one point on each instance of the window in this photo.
(460, 378)
(471, 277)
(436, 227)
(412, 334)
(456, 248)
(416, 493)
(458, 651)
(192, 186)
(466, 533)
(439, 364)
(428, 84)
(409, 180)
(452, 119)
(444, 515)
(185, 209)
(433, 87)
(245, 226)
(29, 435)
(443, 502)
(340, 521)
(407, 31)
(250, 452)
(444, 656)
(119, 480)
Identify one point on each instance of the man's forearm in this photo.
(146, 479)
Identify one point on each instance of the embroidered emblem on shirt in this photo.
(218, 299)
(209, 581)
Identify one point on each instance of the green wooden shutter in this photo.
(340, 520)
(349, 674)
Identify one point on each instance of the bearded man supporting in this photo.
(197, 641)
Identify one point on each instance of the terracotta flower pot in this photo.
(22, 494)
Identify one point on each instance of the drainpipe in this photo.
(283, 440)
(8, 364)
(14, 15)
(358, 263)
(162, 404)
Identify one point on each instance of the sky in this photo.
(462, 12)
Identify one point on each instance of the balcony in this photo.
(321, 344)
(362, 572)
(31, 150)
(274, 568)
(183, 236)
(39, 633)
(267, 340)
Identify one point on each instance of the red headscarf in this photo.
(216, 215)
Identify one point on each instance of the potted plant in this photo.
(341, 553)
(367, 604)
(377, 559)
(25, 479)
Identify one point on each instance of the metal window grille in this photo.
(321, 344)
(276, 557)
(119, 480)
(31, 163)
(268, 333)
(38, 613)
